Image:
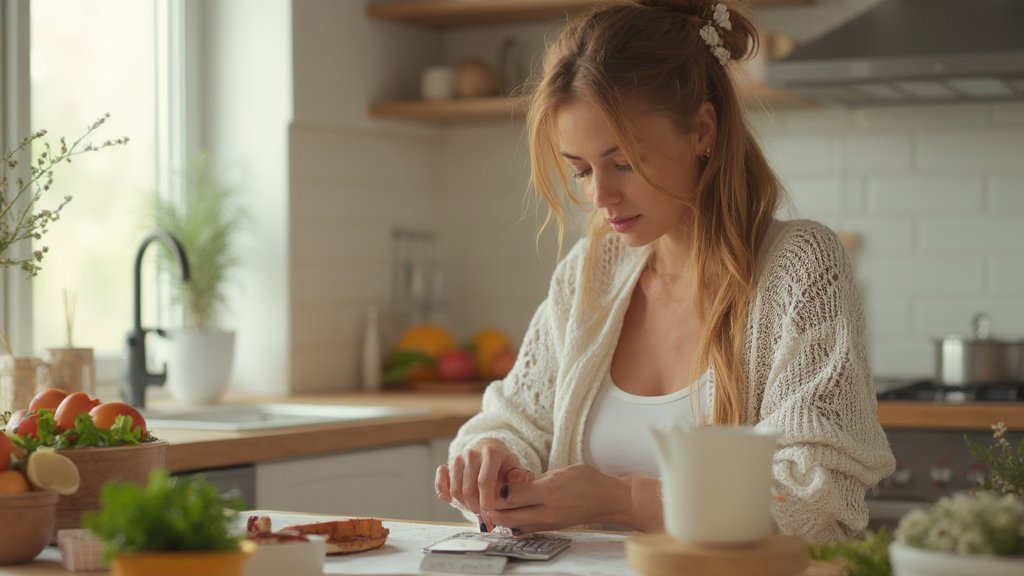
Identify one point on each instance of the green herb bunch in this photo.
(19, 219)
(182, 514)
(84, 434)
(867, 556)
(1004, 462)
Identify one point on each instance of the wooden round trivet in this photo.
(662, 555)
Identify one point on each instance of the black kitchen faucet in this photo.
(136, 376)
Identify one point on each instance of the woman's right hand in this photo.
(476, 475)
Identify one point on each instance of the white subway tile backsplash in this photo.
(1006, 276)
(887, 316)
(903, 118)
(881, 235)
(854, 195)
(924, 195)
(1008, 113)
(974, 234)
(799, 155)
(1007, 194)
(971, 151)
(817, 120)
(876, 153)
(919, 276)
(815, 197)
(939, 317)
(900, 357)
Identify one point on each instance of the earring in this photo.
(706, 155)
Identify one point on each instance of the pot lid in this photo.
(981, 331)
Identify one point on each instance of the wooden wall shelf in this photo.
(499, 108)
(445, 13)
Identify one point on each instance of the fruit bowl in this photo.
(96, 466)
(27, 523)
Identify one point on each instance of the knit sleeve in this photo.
(819, 393)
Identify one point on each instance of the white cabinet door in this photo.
(441, 511)
(394, 482)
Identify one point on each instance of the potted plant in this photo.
(170, 526)
(205, 220)
(979, 532)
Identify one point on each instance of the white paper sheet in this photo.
(591, 553)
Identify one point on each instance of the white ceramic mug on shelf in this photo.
(716, 483)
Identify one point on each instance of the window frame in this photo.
(178, 91)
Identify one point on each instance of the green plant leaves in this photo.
(182, 514)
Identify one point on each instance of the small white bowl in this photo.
(291, 558)
(910, 561)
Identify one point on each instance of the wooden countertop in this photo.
(202, 449)
(195, 450)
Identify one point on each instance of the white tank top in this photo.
(616, 439)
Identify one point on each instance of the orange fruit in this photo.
(13, 482)
(428, 339)
(71, 407)
(104, 416)
(486, 345)
(47, 399)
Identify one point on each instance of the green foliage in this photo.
(867, 556)
(19, 218)
(205, 221)
(85, 434)
(184, 514)
(1004, 462)
(400, 363)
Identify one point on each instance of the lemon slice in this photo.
(48, 470)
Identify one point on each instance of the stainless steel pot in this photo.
(979, 359)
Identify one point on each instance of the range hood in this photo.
(913, 52)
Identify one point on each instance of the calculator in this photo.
(530, 547)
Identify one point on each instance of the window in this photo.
(86, 59)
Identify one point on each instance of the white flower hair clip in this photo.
(717, 16)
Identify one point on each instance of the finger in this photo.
(455, 479)
(441, 484)
(487, 480)
(520, 520)
(470, 489)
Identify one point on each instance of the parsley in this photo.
(85, 434)
(182, 514)
(868, 556)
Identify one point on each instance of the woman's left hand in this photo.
(560, 498)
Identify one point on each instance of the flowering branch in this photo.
(19, 221)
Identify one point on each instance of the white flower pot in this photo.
(910, 561)
(199, 365)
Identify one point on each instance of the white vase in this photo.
(199, 365)
(909, 561)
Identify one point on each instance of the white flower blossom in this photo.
(967, 523)
(721, 17)
(709, 32)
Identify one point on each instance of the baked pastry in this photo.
(346, 536)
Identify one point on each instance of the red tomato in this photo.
(105, 414)
(48, 399)
(25, 424)
(69, 409)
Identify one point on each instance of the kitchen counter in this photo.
(203, 449)
(195, 450)
(591, 553)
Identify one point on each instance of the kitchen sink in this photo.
(268, 416)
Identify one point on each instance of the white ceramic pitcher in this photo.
(716, 482)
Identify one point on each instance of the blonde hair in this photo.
(650, 52)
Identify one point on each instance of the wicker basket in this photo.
(20, 377)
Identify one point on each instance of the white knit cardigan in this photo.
(806, 366)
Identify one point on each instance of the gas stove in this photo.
(932, 463)
(924, 390)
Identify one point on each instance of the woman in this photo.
(685, 299)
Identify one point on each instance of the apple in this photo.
(456, 366)
(24, 423)
(501, 363)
